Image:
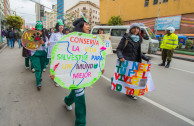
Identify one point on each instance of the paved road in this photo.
(22, 105)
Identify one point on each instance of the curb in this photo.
(179, 57)
(2, 47)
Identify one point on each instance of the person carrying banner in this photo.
(168, 45)
(39, 56)
(55, 37)
(129, 47)
(77, 96)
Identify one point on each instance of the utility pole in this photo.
(160, 1)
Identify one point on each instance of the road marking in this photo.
(161, 107)
(176, 68)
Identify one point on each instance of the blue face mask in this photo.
(135, 38)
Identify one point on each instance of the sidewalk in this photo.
(180, 56)
(4, 43)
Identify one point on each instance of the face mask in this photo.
(135, 38)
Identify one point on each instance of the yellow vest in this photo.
(169, 42)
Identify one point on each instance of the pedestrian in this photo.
(51, 31)
(2, 35)
(45, 33)
(18, 37)
(168, 45)
(57, 35)
(66, 31)
(39, 56)
(100, 31)
(7, 36)
(12, 37)
(129, 47)
(77, 96)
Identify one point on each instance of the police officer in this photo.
(168, 45)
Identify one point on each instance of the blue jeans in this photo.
(8, 41)
(19, 42)
(12, 42)
(1, 39)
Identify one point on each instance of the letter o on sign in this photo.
(119, 87)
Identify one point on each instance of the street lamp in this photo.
(119, 9)
(160, 1)
(16, 9)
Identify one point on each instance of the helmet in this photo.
(171, 29)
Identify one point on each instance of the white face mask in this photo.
(135, 38)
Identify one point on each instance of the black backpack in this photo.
(11, 34)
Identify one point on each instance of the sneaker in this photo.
(47, 66)
(39, 88)
(132, 97)
(27, 68)
(44, 70)
(57, 85)
(33, 70)
(69, 108)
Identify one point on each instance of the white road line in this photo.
(176, 69)
(161, 107)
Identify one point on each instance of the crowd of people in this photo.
(129, 48)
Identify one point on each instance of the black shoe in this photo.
(168, 65)
(39, 88)
(162, 64)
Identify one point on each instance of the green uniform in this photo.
(169, 42)
(38, 62)
(27, 62)
(78, 97)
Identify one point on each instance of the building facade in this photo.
(60, 9)
(6, 8)
(39, 10)
(146, 11)
(89, 10)
(51, 17)
(2, 13)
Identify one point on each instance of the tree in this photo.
(115, 20)
(15, 22)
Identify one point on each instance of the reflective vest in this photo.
(169, 42)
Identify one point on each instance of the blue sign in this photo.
(166, 22)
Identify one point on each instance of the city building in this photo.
(89, 10)
(2, 13)
(171, 12)
(6, 8)
(60, 9)
(39, 10)
(51, 17)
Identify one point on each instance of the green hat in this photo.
(60, 22)
(39, 25)
(83, 17)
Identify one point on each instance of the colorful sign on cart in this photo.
(132, 78)
(77, 60)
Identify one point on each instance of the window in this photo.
(96, 12)
(155, 2)
(118, 32)
(95, 31)
(146, 3)
(84, 8)
(93, 16)
(164, 1)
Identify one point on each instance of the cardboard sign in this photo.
(31, 40)
(132, 78)
(77, 60)
(106, 40)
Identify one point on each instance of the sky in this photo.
(26, 8)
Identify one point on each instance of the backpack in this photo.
(11, 34)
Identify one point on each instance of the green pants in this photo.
(27, 62)
(78, 97)
(38, 62)
(167, 54)
(47, 62)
